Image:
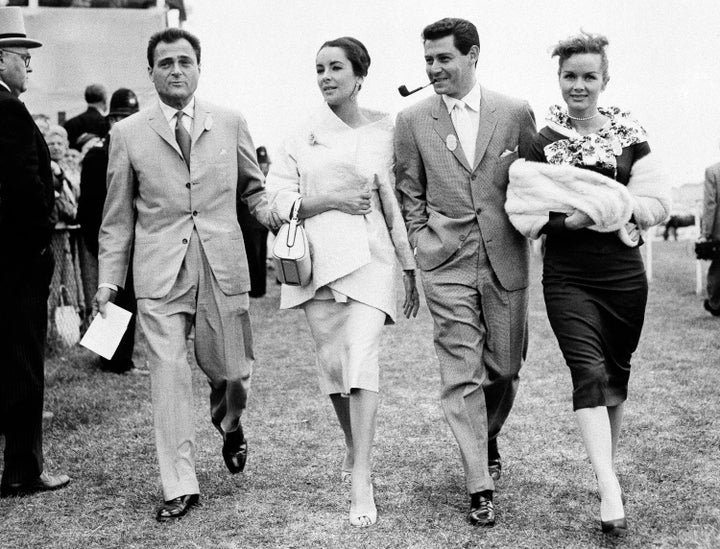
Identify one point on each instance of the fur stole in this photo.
(536, 189)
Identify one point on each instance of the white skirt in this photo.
(347, 342)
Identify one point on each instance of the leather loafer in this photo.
(176, 508)
(710, 309)
(43, 483)
(235, 450)
(614, 528)
(495, 469)
(482, 513)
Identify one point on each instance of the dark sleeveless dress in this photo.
(595, 291)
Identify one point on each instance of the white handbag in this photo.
(291, 251)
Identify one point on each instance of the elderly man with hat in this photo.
(255, 236)
(93, 190)
(26, 202)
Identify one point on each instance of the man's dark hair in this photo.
(95, 93)
(464, 33)
(169, 36)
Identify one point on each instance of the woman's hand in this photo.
(411, 305)
(353, 201)
(633, 232)
(578, 220)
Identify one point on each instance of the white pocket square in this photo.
(508, 151)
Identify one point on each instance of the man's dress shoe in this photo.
(176, 508)
(43, 483)
(235, 450)
(482, 511)
(710, 309)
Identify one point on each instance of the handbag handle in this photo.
(292, 229)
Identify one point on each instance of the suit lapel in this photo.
(157, 121)
(488, 122)
(202, 121)
(444, 127)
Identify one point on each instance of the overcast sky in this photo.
(259, 57)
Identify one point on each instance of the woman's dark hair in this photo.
(168, 36)
(584, 42)
(354, 50)
(464, 33)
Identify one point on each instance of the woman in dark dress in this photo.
(594, 282)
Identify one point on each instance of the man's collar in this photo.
(4, 85)
(169, 111)
(472, 99)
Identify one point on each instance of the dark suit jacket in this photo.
(93, 189)
(91, 121)
(26, 186)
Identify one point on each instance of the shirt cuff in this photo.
(113, 287)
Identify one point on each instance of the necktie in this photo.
(183, 137)
(466, 133)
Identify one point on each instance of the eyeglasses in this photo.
(25, 57)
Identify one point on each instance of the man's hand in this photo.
(100, 300)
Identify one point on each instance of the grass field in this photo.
(291, 496)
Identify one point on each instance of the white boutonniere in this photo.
(208, 123)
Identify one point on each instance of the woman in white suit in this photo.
(340, 163)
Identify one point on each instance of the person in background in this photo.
(710, 230)
(339, 167)
(453, 153)
(255, 235)
(65, 238)
(93, 119)
(594, 283)
(123, 103)
(175, 172)
(26, 203)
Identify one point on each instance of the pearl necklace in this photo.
(583, 118)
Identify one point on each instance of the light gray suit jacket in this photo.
(443, 197)
(711, 202)
(154, 201)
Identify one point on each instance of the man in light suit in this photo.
(453, 153)
(175, 172)
(710, 226)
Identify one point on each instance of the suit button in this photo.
(473, 177)
(462, 237)
(195, 213)
(184, 240)
(187, 185)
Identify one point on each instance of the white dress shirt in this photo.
(187, 120)
(465, 116)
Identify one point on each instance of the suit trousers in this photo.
(713, 284)
(480, 334)
(23, 327)
(223, 351)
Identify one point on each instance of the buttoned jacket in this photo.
(711, 202)
(443, 197)
(155, 202)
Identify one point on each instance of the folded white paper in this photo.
(104, 334)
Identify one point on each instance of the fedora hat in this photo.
(12, 29)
